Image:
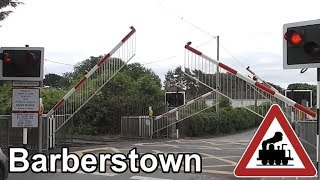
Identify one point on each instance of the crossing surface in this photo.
(219, 157)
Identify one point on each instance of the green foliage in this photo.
(224, 102)
(130, 92)
(132, 89)
(84, 66)
(50, 97)
(305, 86)
(176, 80)
(55, 81)
(5, 96)
(229, 120)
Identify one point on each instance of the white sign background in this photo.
(25, 119)
(274, 127)
(25, 99)
(26, 83)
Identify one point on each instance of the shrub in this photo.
(229, 120)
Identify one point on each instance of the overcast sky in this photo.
(249, 30)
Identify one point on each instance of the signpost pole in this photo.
(25, 137)
(217, 76)
(177, 127)
(318, 119)
(40, 126)
(292, 116)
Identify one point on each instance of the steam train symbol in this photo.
(272, 155)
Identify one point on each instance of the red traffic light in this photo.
(5, 58)
(294, 38)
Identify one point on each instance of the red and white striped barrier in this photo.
(94, 69)
(186, 104)
(253, 82)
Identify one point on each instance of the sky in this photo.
(250, 32)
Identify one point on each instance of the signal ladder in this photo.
(90, 84)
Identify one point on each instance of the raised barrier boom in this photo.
(92, 82)
(252, 82)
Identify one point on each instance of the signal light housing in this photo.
(21, 63)
(175, 99)
(301, 45)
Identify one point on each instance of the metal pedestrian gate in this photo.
(144, 126)
(12, 137)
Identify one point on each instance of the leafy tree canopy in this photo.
(7, 3)
(305, 86)
(54, 80)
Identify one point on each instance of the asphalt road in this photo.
(219, 157)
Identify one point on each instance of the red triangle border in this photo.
(275, 112)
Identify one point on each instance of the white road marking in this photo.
(94, 173)
(115, 150)
(217, 172)
(221, 159)
(98, 174)
(81, 152)
(157, 151)
(147, 178)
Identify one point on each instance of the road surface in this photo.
(219, 157)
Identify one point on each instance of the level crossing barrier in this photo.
(92, 82)
(237, 86)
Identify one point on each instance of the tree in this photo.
(54, 80)
(5, 96)
(305, 86)
(136, 70)
(50, 96)
(176, 80)
(129, 93)
(7, 3)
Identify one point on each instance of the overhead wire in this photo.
(56, 62)
(200, 29)
(174, 56)
(59, 62)
(185, 20)
(162, 59)
(232, 55)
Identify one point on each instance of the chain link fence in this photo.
(144, 127)
(307, 133)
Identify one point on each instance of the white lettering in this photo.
(39, 166)
(14, 160)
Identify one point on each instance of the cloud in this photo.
(250, 31)
(269, 67)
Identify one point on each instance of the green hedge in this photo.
(229, 120)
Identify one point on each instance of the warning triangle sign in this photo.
(275, 151)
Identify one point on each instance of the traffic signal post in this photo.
(301, 49)
(173, 100)
(318, 119)
(24, 67)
